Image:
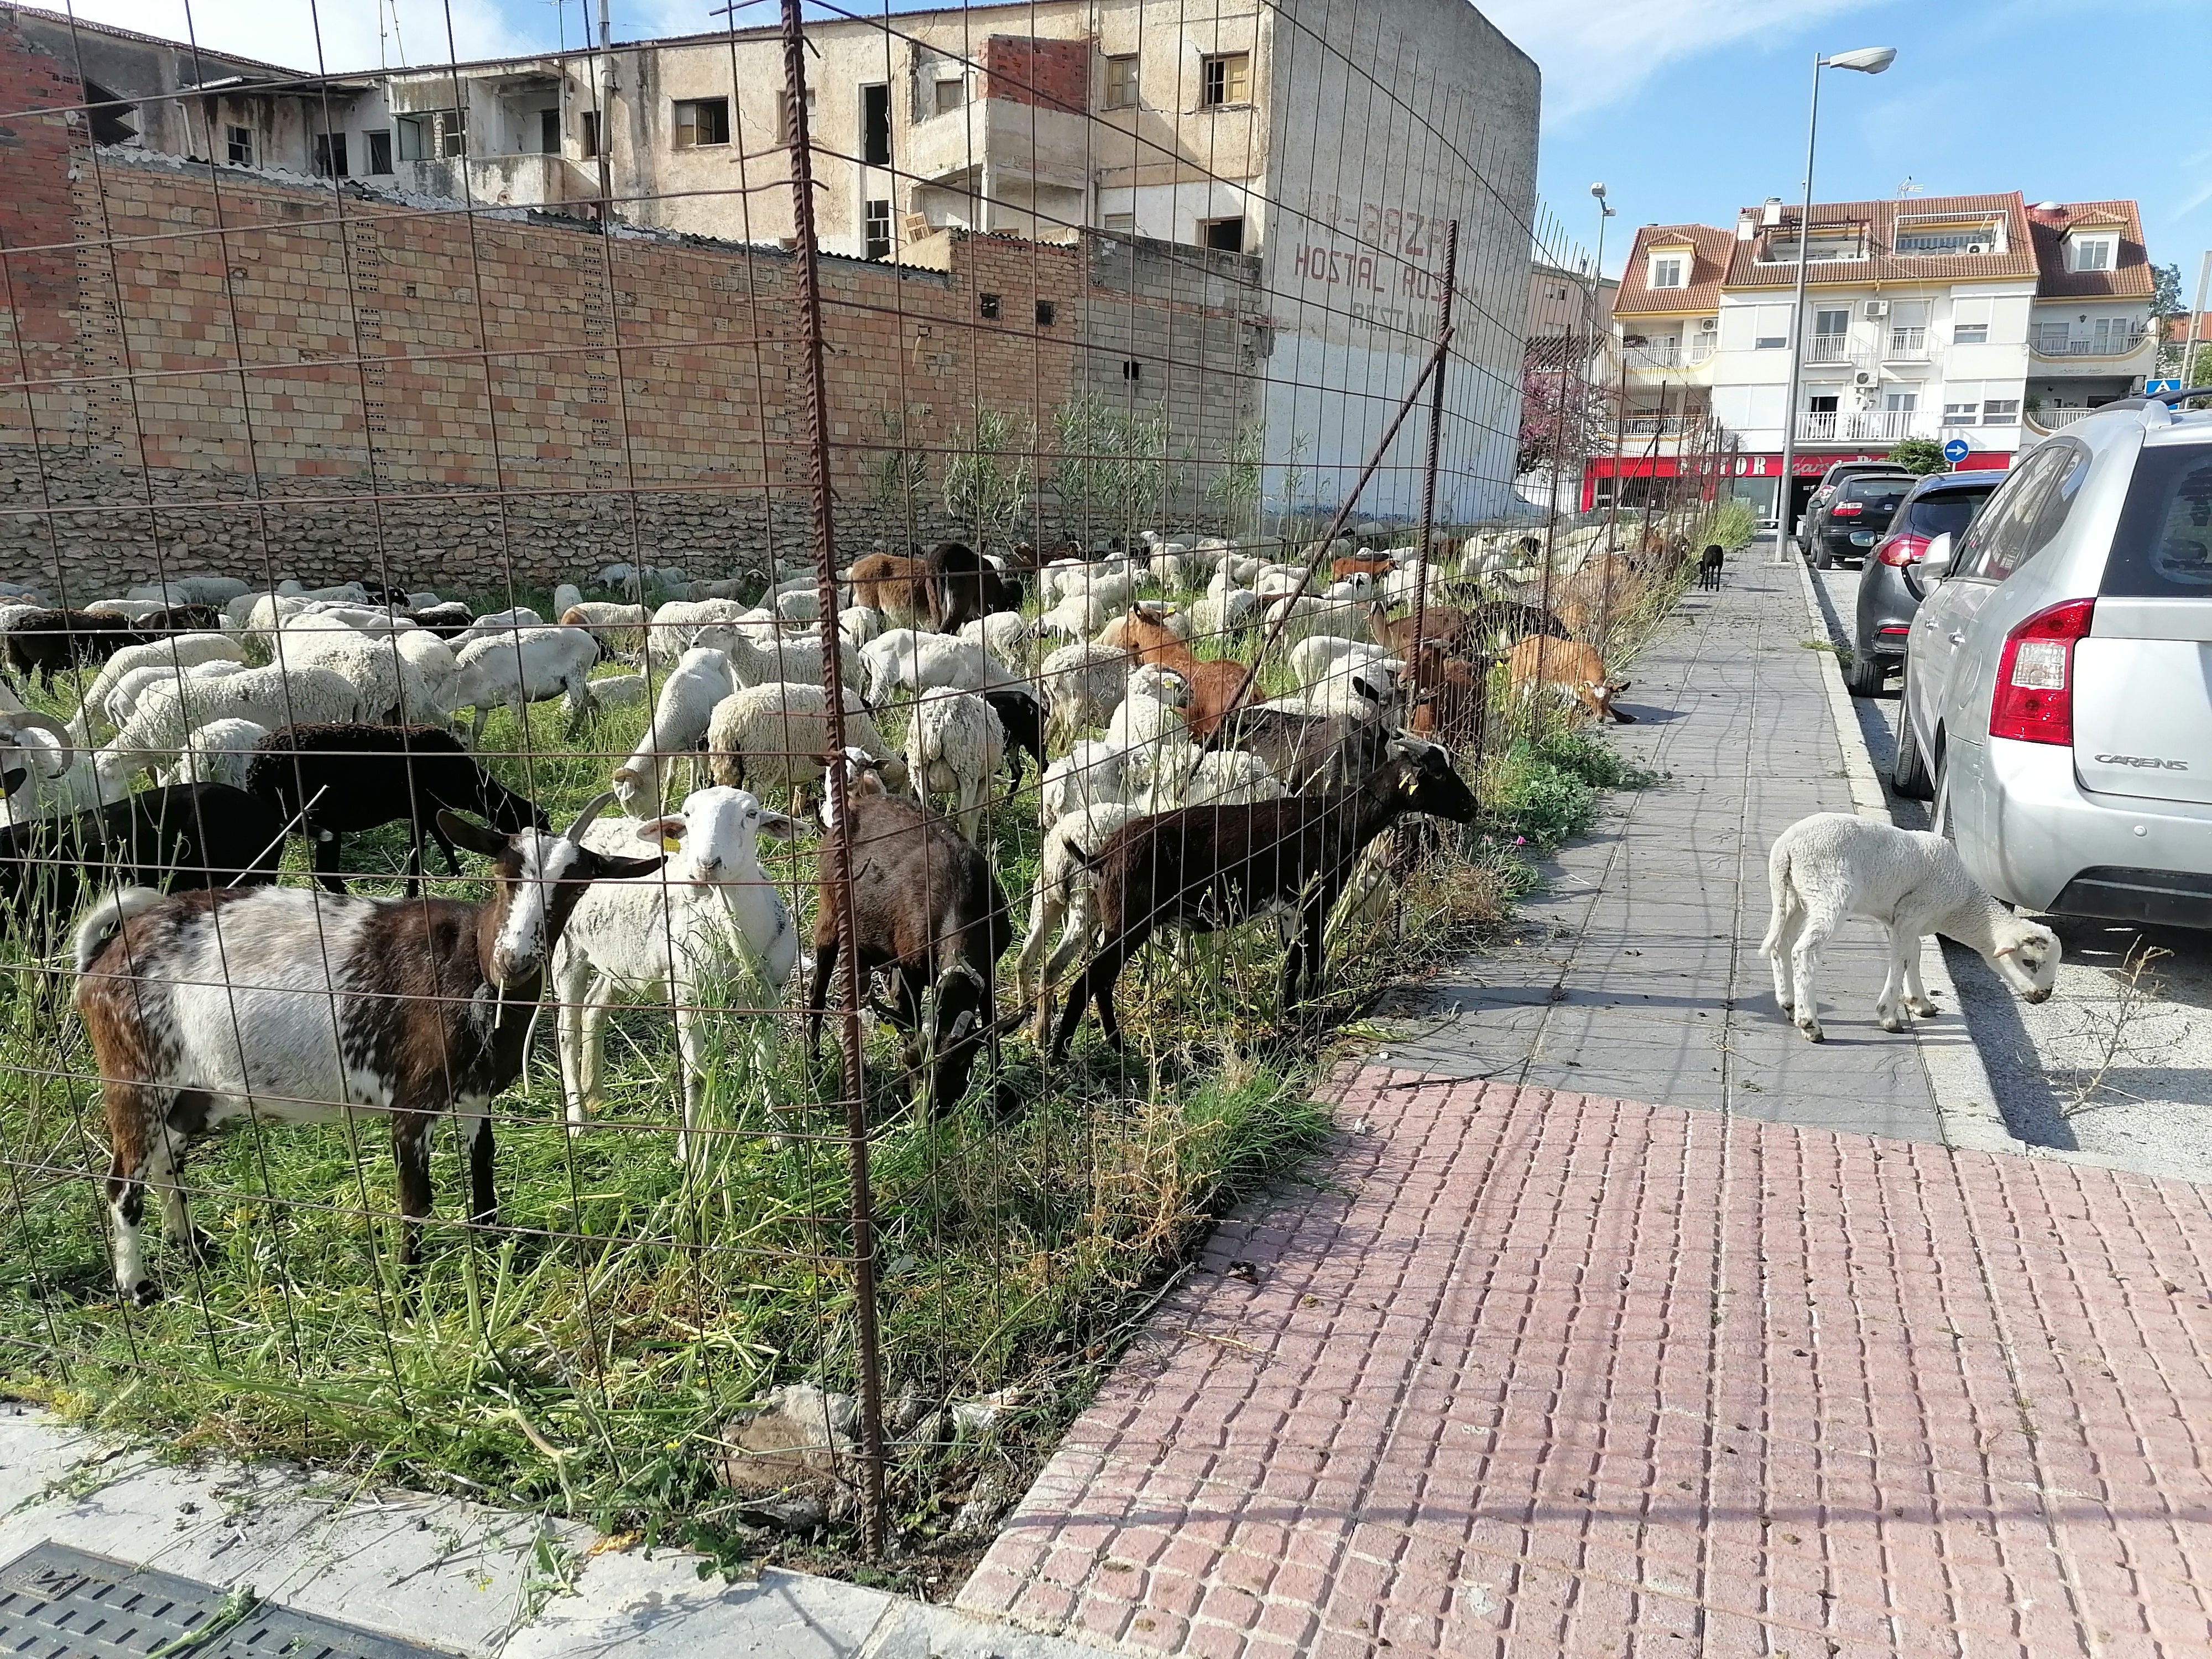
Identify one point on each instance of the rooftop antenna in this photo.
(1908, 188)
(560, 21)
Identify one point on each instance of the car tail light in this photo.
(1845, 510)
(2034, 700)
(1902, 549)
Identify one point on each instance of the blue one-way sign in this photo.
(1956, 451)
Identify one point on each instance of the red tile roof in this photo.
(1708, 266)
(1882, 264)
(2129, 278)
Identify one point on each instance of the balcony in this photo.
(527, 179)
(1906, 345)
(2051, 420)
(1659, 426)
(2104, 346)
(1831, 348)
(1856, 426)
(1008, 140)
(1651, 357)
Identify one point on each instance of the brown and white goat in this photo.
(893, 583)
(1570, 669)
(1214, 683)
(1210, 868)
(290, 1004)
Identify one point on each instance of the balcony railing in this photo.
(1829, 349)
(1668, 356)
(1856, 426)
(2091, 346)
(1906, 345)
(2049, 420)
(1658, 425)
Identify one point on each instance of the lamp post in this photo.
(1604, 211)
(1867, 60)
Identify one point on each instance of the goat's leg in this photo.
(484, 1204)
(414, 889)
(1097, 985)
(691, 1050)
(330, 861)
(411, 1151)
(1048, 910)
(817, 995)
(446, 846)
(1782, 923)
(136, 1119)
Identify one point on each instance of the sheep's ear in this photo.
(668, 831)
(780, 826)
(615, 869)
(466, 832)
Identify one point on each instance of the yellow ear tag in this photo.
(670, 844)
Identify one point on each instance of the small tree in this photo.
(987, 479)
(1920, 455)
(898, 478)
(1562, 417)
(2166, 290)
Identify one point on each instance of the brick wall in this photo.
(1047, 74)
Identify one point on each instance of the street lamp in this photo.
(1604, 211)
(1867, 60)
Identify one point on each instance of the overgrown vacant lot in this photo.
(586, 1354)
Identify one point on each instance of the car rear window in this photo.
(2163, 546)
(1946, 513)
(1880, 494)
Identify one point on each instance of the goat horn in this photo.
(31, 718)
(592, 808)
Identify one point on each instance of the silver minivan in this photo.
(2059, 676)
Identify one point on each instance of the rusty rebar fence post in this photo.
(1429, 458)
(808, 268)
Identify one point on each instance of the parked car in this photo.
(1830, 482)
(1845, 527)
(1941, 504)
(2056, 705)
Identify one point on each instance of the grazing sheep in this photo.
(908, 660)
(1150, 719)
(617, 691)
(1088, 774)
(1063, 902)
(221, 751)
(164, 718)
(534, 665)
(1328, 655)
(1833, 865)
(498, 624)
(44, 643)
(1229, 777)
(681, 715)
(673, 935)
(176, 652)
(859, 623)
(193, 590)
(620, 628)
(955, 746)
(764, 737)
(1083, 686)
(1004, 633)
(403, 676)
(565, 597)
(758, 660)
(1225, 608)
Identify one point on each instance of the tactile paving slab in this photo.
(57, 1603)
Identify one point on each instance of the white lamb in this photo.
(764, 737)
(758, 658)
(1064, 901)
(673, 627)
(1315, 660)
(122, 696)
(1003, 634)
(164, 717)
(1225, 607)
(534, 665)
(177, 651)
(706, 916)
(858, 624)
(908, 659)
(1219, 777)
(499, 624)
(221, 752)
(619, 628)
(1083, 686)
(193, 590)
(565, 597)
(407, 676)
(1088, 774)
(1363, 689)
(1834, 865)
(1150, 719)
(681, 715)
(1080, 615)
(617, 691)
(955, 746)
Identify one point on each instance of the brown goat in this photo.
(1339, 568)
(1212, 683)
(1445, 694)
(1568, 666)
(892, 583)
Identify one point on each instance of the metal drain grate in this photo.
(57, 1603)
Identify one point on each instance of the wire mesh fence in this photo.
(708, 729)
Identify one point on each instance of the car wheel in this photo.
(1824, 560)
(1908, 773)
(1867, 675)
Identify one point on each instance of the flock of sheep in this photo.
(1174, 793)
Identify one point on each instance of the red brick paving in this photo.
(1537, 1374)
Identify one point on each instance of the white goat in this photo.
(955, 746)
(708, 913)
(700, 680)
(1064, 902)
(1834, 865)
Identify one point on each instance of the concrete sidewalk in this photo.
(1637, 974)
(1537, 1374)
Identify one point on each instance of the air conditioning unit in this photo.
(1865, 376)
(1709, 325)
(1977, 247)
(1876, 310)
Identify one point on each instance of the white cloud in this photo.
(1595, 53)
(335, 35)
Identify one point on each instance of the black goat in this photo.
(1022, 717)
(340, 777)
(45, 643)
(188, 836)
(444, 620)
(1306, 751)
(963, 586)
(926, 907)
(1709, 567)
(1209, 868)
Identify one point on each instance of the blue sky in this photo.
(1686, 109)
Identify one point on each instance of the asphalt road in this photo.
(2119, 1061)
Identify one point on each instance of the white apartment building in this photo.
(1330, 144)
(1980, 319)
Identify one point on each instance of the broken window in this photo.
(876, 230)
(876, 125)
(549, 132)
(700, 122)
(379, 151)
(331, 156)
(784, 124)
(951, 94)
(591, 145)
(1226, 235)
(238, 146)
(111, 116)
(1228, 80)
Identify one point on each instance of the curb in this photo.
(1966, 1103)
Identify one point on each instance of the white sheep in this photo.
(1150, 719)
(497, 625)
(533, 665)
(955, 746)
(1078, 615)
(680, 714)
(164, 718)
(1831, 865)
(177, 651)
(1083, 686)
(1229, 777)
(758, 658)
(762, 736)
(122, 696)
(1088, 774)
(673, 627)
(1364, 689)
(59, 780)
(617, 691)
(221, 751)
(406, 676)
(129, 610)
(859, 623)
(191, 590)
(677, 933)
(1003, 634)
(619, 628)
(565, 597)
(908, 659)
(1315, 658)
(1063, 901)
(1303, 616)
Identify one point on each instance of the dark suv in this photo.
(1831, 482)
(1944, 503)
(1855, 517)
